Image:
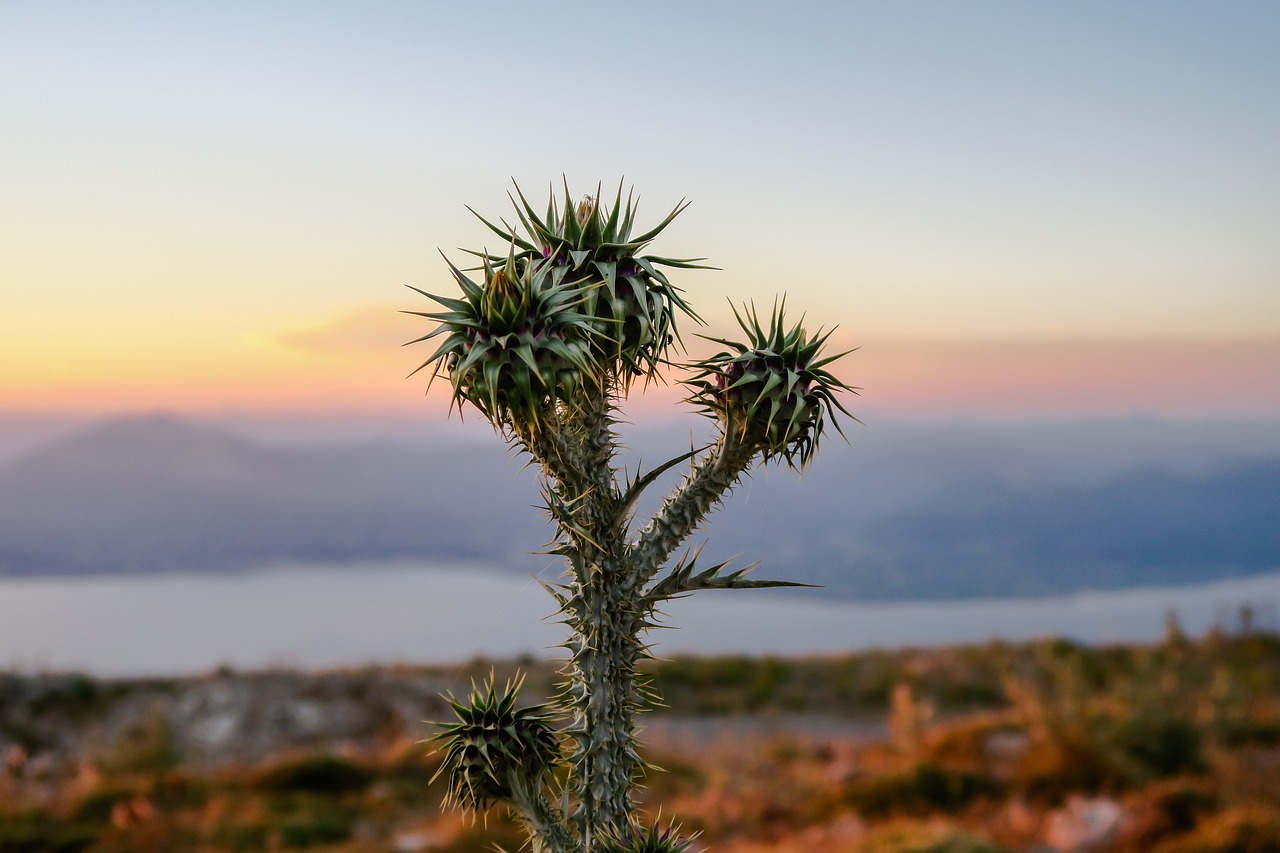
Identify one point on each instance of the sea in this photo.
(310, 616)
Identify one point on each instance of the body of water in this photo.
(322, 616)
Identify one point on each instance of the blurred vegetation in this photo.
(974, 749)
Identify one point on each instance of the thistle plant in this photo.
(545, 342)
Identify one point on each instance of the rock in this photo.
(1084, 824)
(414, 842)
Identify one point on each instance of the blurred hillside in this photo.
(1045, 746)
(900, 512)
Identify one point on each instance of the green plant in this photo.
(545, 342)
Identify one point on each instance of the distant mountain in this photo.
(1144, 527)
(987, 537)
(158, 494)
(902, 513)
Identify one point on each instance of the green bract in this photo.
(492, 742)
(651, 840)
(632, 304)
(772, 391)
(515, 346)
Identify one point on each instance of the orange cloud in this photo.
(375, 331)
(352, 362)
(356, 361)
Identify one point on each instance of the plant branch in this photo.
(710, 479)
(636, 487)
(549, 830)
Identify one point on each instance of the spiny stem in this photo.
(548, 830)
(603, 695)
(604, 604)
(707, 483)
(602, 607)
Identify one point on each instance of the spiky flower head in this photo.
(632, 304)
(772, 391)
(493, 744)
(514, 345)
(651, 840)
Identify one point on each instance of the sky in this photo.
(1048, 209)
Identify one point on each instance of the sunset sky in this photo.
(1035, 208)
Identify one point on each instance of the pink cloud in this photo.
(1177, 378)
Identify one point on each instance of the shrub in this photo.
(301, 833)
(1160, 746)
(1247, 829)
(924, 789)
(323, 774)
(33, 832)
